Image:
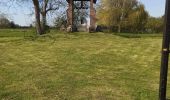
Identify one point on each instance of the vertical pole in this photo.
(165, 54)
(91, 12)
(92, 16)
(70, 12)
(82, 5)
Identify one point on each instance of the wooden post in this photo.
(92, 17)
(70, 16)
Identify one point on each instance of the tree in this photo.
(117, 13)
(138, 19)
(37, 11)
(155, 24)
(41, 8)
(47, 6)
(4, 22)
(13, 25)
(37, 16)
(61, 21)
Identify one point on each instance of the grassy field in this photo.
(80, 66)
(17, 32)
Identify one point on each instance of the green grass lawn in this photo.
(17, 32)
(80, 66)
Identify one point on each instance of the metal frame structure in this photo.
(165, 54)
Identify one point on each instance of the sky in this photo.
(154, 7)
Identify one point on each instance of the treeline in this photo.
(155, 25)
(6, 23)
(127, 16)
(113, 16)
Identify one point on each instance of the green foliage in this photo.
(155, 25)
(125, 15)
(137, 19)
(6, 23)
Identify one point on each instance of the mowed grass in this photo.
(17, 32)
(80, 66)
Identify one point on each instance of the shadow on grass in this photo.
(137, 35)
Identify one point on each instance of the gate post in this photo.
(92, 27)
(70, 16)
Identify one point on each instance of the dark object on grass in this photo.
(99, 29)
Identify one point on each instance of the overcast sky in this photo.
(154, 7)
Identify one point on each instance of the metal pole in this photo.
(165, 54)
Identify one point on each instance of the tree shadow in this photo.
(134, 35)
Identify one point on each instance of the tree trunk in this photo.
(119, 28)
(43, 14)
(43, 23)
(122, 16)
(37, 17)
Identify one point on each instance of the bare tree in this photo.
(47, 6)
(41, 8)
(37, 16)
(37, 11)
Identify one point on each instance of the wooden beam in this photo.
(92, 17)
(70, 13)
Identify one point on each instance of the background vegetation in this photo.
(127, 16)
(39, 62)
(121, 16)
